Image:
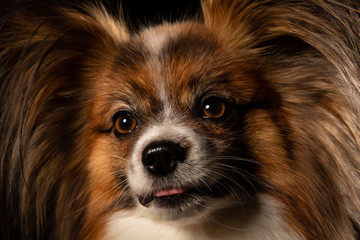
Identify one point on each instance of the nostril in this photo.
(161, 158)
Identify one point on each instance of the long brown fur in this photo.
(314, 69)
(303, 127)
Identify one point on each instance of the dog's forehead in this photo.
(167, 62)
(156, 38)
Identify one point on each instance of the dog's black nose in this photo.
(161, 158)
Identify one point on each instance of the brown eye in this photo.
(214, 108)
(124, 123)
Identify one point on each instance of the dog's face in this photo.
(175, 122)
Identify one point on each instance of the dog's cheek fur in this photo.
(294, 181)
(108, 190)
(315, 130)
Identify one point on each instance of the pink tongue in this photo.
(169, 192)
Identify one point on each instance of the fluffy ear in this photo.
(279, 29)
(250, 23)
(114, 26)
(59, 21)
(48, 52)
(247, 23)
(50, 34)
(234, 20)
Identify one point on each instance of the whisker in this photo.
(213, 219)
(235, 158)
(231, 180)
(245, 174)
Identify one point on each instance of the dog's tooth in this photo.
(145, 200)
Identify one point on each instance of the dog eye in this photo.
(124, 123)
(214, 108)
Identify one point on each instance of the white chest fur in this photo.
(263, 223)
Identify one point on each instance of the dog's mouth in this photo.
(182, 198)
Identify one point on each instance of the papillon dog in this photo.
(242, 123)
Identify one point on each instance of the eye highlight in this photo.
(124, 123)
(213, 108)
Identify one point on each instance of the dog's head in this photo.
(177, 116)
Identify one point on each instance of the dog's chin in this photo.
(178, 206)
(184, 202)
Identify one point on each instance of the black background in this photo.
(138, 13)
